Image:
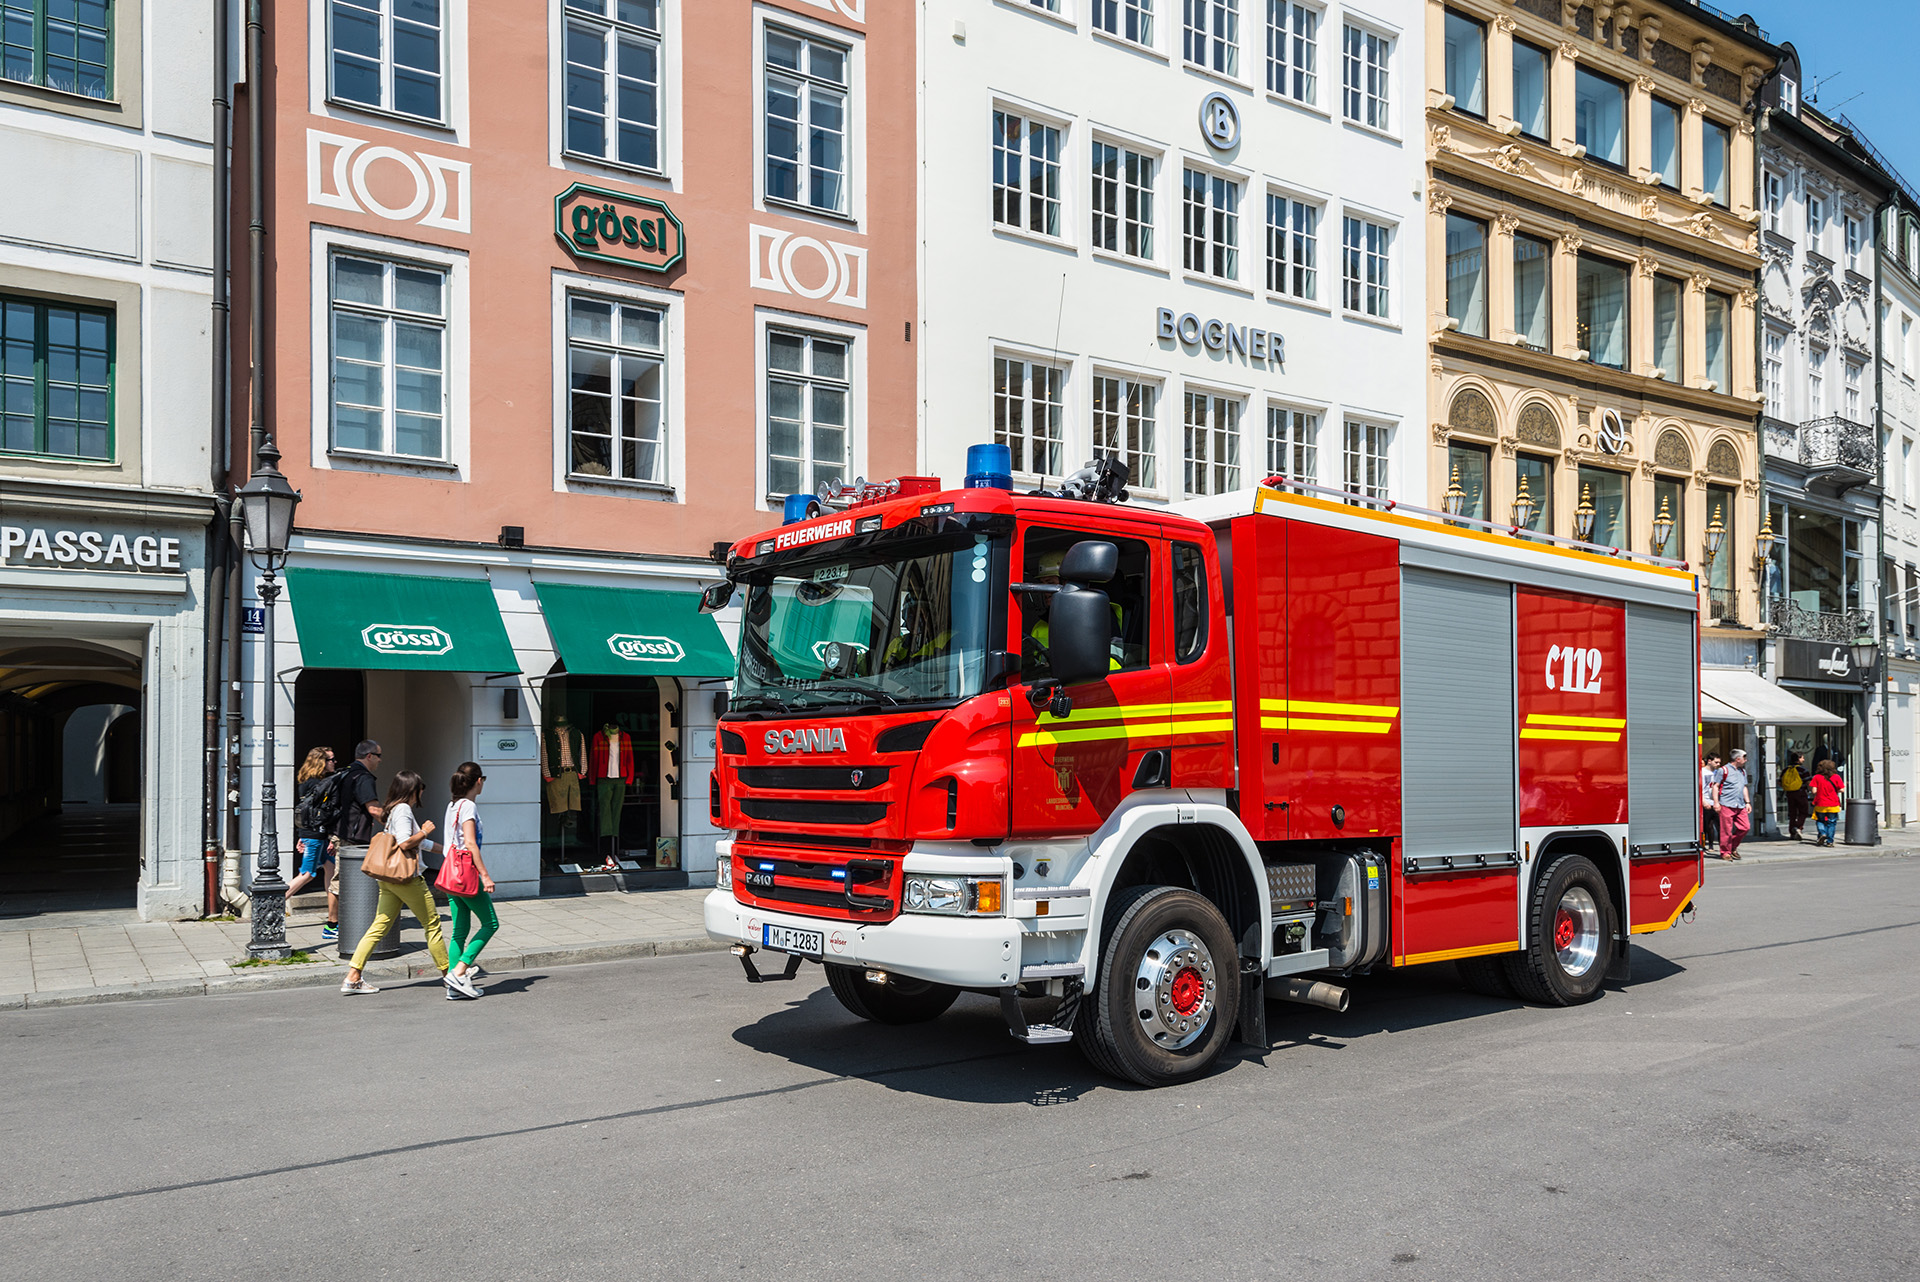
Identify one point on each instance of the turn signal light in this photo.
(987, 896)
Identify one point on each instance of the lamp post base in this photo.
(269, 941)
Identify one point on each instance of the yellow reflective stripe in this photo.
(1130, 711)
(1590, 736)
(1331, 709)
(1316, 723)
(1604, 723)
(1090, 734)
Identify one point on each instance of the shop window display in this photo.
(600, 766)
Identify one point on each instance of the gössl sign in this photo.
(405, 638)
(638, 649)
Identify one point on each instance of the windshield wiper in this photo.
(862, 692)
(750, 702)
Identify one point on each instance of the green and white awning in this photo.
(408, 622)
(604, 631)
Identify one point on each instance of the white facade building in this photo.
(106, 276)
(1189, 234)
(1898, 242)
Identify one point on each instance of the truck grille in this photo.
(853, 889)
(856, 813)
(815, 778)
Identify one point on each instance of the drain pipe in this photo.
(217, 546)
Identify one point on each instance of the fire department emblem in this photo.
(1666, 888)
(1063, 775)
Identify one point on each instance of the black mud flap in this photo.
(1252, 1029)
(1620, 968)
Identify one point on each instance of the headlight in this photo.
(953, 896)
(723, 873)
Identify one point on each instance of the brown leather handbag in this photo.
(390, 860)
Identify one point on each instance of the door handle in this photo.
(1155, 769)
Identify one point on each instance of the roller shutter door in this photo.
(1457, 715)
(1663, 768)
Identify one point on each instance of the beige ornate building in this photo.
(1592, 253)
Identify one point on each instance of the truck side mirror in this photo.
(1079, 625)
(1090, 561)
(715, 598)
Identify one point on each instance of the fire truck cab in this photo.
(1154, 765)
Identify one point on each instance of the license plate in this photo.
(785, 939)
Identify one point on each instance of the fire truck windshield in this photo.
(887, 626)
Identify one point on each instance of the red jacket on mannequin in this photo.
(610, 758)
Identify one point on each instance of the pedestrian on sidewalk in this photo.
(403, 794)
(310, 838)
(1793, 788)
(1828, 789)
(470, 907)
(1710, 799)
(1735, 798)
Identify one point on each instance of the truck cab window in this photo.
(1129, 647)
(1189, 603)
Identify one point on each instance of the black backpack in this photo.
(321, 802)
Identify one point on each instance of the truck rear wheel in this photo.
(1168, 993)
(1571, 930)
(898, 1001)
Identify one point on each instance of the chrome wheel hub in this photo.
(1174, 989)
(1576, 931)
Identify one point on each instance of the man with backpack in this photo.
(316, 809)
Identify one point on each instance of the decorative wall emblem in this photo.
(822, 270)
(616, 227)
(388, 182)
(1672, 452)
(1611, 435)
(1472, 412)
(1220, 121)
(1723, 461)
(1537, 426)
(855, 9)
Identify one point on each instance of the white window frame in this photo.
(1282, 60)
(1243, 186)
(454, 104)
(388, 18)
(1295, 200)
(1151, 20)
(1371, 218)
(1064, 365)
(1155, 189)
(1816, 222)
(1387, 113)
(1773, 370)
(1853, 390)
(613, 32)
(673, 418)
(617, 352)
(1816, 382)
(1213, 15)
(768, 318)
(1215, 395)
(1030, 115)
(1773, 200)
(854, 42)
(808, 86)
(455, 388)
(1289, 442)
(810, 334)
(1352, 461)
(1856, 243)
(1151, 380)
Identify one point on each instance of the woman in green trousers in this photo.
(469, 911)
(402, 796)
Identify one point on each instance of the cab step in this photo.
(1040, 1034)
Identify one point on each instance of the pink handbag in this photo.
(458, 875)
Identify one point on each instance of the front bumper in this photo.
(968, 952)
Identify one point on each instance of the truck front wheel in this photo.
(1169, 988)
(898, 1001)
(1570, 934)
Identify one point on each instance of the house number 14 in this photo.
(1579, 669)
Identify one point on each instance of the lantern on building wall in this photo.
(1583, 516)
(1523, 507)
(1716, 535)
(1662, 528)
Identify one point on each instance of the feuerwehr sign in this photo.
(56, 547)
(618, 227)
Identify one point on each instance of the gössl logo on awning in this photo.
(405, 638)
(637, 649)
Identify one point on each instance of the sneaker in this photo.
(359, 986)
(462, 985)
(475, 972)
(330, 931)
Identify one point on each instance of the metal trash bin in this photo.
(359, 901)
(1863, 823)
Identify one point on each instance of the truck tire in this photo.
(1486, 975)
(1168, 994)
(1570, 929)
(898, 1001)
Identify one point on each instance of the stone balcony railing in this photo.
(1833, 445)
(1817, 625)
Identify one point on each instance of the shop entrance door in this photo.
(71, 787)
(608, 819)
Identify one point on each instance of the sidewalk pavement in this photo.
(77, 958)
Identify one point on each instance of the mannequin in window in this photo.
(610, 770)
(563, 759)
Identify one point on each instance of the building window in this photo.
(1363, 76)
(806, 126)
(1470, 465)
(1123, 423)
(1293, 50)
(1719, 311)
(1856, 243)
(1816, 383)
(60, 44)
(1716, 144)
(56, 379)
(615, 358)
(1854, 407)
(1537, 475)
(1600, 306)
(613, 81)
(1599, 116)
(1773, 373)
(1122, 201)
(1467, 274)
(1128, 19)
(1816, 222)
(1026, 174)
(1293, 247)
(1669, 350)
(388, 322)
(1466, 59)
(1051, 6)
(1366, 247)
(1530, 89)
(1670, 499)
(1212, 240)
(809, 386)
(1773, 201)
(1211, 38)
(1665, 160)
(1212, 443)
(1608, 492)
(387, 54)
(1029, 414)
(1364, 458)
(1720, 570)
(1532, 291)
(1293, 448)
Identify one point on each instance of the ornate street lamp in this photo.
(267, 503)
(1455, 501)
(1763, 542)
(1662, 528)
(1864, 653)
(1523, 507)
(1583, 516)
(1716, 535)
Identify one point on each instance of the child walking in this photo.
(470, 910)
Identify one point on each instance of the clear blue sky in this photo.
(1868, 48)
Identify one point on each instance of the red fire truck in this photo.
(1153, 764)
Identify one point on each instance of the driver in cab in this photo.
(1034, 654)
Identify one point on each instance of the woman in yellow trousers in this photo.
(402, 796)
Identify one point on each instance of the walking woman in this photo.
(469, 909)
(403, 794)
(315, 848)
(1828, 788)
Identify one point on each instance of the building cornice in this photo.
(1487, 354)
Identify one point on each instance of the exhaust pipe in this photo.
(1309, 992)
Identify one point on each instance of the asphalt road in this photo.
(1746, 1108)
